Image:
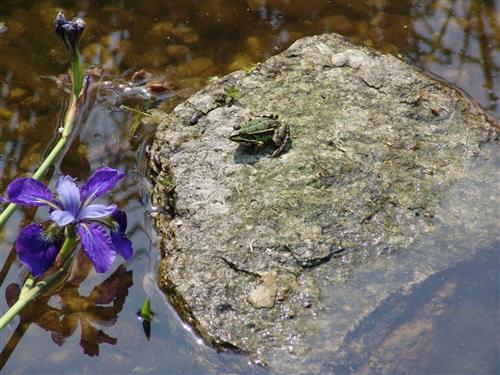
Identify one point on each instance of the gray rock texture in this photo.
(390, 177)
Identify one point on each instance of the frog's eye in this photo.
(237, 127)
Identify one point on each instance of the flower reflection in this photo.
(100, 308)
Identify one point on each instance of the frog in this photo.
(262, 130)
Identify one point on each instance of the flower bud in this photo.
(69, 31)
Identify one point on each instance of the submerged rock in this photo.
(389, 177)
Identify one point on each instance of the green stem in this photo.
(68, 244)
(28, 284)
(77, 72)
(30, 292)
(69, 121)
(27, 297)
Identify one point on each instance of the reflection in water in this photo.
(460, 40)
(100, 307)
(154, 54)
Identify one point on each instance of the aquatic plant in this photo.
(145, 314)
(70, 32)
(145, 311)
(73, 217)
(74, 221)
(99, 227)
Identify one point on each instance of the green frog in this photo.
(261, 131)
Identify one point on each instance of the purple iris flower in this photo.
(100, 228)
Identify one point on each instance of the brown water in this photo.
(183, 44)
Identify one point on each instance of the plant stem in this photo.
(77, 74)
(30, 292)
(28, 296)
(69, 121)
(28, 284)
(68, 244)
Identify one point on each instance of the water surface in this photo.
(182, 44)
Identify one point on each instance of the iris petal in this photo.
(101, 181)
(62, 218)
(122, 244)
(95, 211)
(36, 249)
(30, 192)
(69, 194)
(97, 245)
(121, 218)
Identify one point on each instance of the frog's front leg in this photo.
(280, 138)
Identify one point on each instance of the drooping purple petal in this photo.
(121, 218)
(97, 245)
(122, 244)
(3, 200)
(95, 211)
(30, 192)
(69, 194)
(101, 181)
(62, 218)
(36, 249)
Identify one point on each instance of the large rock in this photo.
(389, 178)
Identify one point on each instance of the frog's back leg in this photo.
(280, 138)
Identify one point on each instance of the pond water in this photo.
(182, 44)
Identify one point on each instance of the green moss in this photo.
(167, 182)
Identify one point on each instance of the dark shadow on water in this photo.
(449, 324)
